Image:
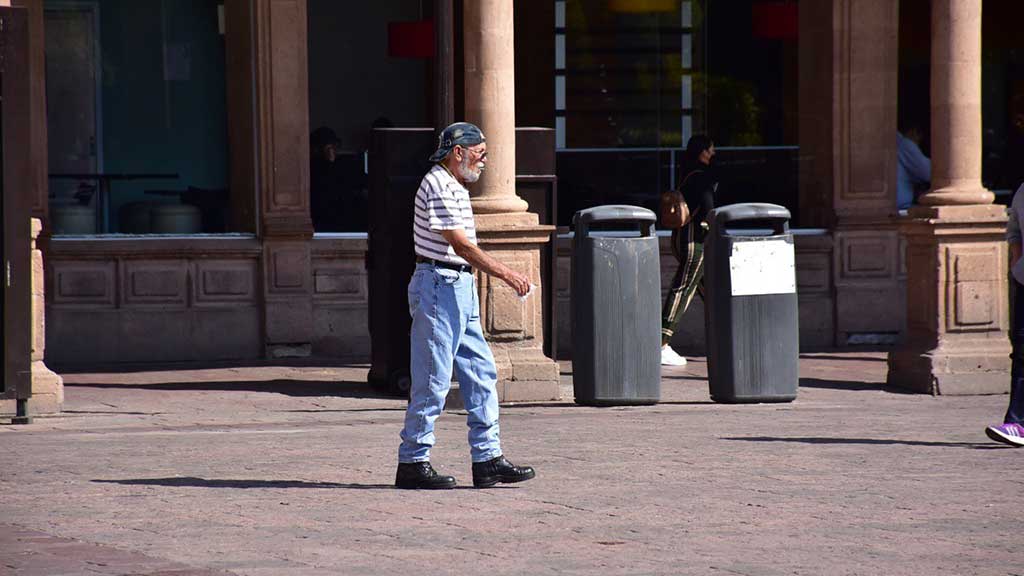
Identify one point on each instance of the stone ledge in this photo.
(512, 392)
(980, 213)
(941, 374)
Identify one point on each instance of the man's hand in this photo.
(479, 259)
(518, 282)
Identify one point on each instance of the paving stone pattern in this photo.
(287, 470)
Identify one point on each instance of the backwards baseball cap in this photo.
(458, 134)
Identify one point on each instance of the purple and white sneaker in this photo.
(1009, 433)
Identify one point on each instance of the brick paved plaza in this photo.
(271, 470)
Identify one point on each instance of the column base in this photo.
(498, 205)
(947, 373)
(957, 305)
(950, 215)
(47, 390)
(524, 375)
(514, 327)
(952, 196)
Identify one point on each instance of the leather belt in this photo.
(440, 264)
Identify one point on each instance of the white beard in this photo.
(468, 174)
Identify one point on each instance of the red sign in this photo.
(411, 39)
(776, 20)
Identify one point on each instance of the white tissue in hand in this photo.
(528, 292)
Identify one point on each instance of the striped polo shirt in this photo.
(442, 203)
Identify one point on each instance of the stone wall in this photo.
(340, 298)
(152, 300)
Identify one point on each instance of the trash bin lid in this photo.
(613, 213)
(749, 211)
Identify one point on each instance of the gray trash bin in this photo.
(616, 307)
(751, 308)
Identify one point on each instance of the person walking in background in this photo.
(698, 187)
(1011, 431)
(913, 168)
(446, 328)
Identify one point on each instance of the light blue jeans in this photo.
(446, 331)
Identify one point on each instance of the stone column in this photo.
(491, 101)
(504, 228)
(956, 105)
(848, 94)
(281, 98)
(38, 178)
(47, 387)
(956, 253)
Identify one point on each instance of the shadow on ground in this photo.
(863, 441)
(849, 385)
(143, 367)
(842, 357)
(299, 388)
(193, 482)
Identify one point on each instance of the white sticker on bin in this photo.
(762, 267)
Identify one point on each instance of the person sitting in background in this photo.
(913, 168)
(326, 184)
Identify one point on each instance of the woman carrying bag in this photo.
(697, 193)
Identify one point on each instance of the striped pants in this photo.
(689, 279)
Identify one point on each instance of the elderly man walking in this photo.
(446, 330)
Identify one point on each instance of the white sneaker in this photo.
(670, 358)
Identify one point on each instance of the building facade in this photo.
(175, 175)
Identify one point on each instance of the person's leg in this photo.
(694, 272)
(478, 378)
(433, 339)
(1015, 411)
(670, 311)
(1011, 431)
(695, 282)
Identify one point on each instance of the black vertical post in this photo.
(16, 273)
(444, 63)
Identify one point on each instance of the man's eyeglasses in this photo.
(476, 152)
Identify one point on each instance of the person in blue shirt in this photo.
(913, 168)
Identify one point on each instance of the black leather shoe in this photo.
(421, 476)
(487, 474)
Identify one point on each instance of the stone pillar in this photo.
(38, 179)
(491, 101)
(848, 95)
(956, 252)
(282, 168)
(504, 228)
(47, 386)
(956, 105)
